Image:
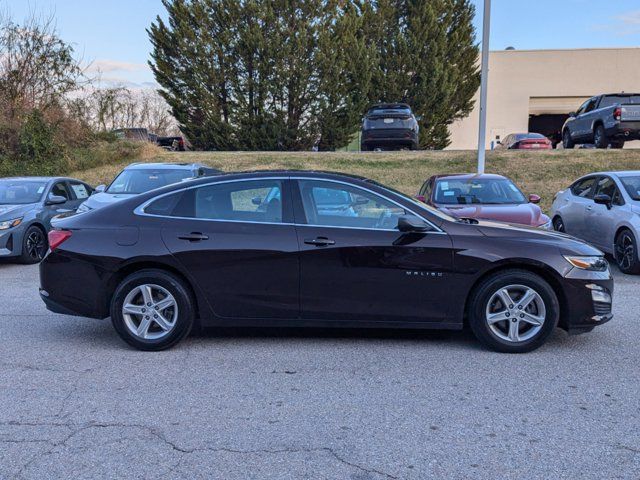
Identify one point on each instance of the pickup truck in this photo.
(604, 120)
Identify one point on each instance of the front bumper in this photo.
(589, 300)
(11, 242)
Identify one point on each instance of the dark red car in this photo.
(525, 141)
(483, 197)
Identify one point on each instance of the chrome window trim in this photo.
(139, 210)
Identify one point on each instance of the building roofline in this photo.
(587, 49)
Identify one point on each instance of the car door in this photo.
(356, 266)
(574, 210)
(244, 259)
(576, 126)
(600, 220)
(587, 120)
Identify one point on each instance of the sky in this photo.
(110, 34)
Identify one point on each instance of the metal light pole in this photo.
(482, 134)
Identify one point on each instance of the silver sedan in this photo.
(603, 209)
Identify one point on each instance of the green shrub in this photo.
(38, 152)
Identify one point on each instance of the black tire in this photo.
(485, 293)
(617, 145)
(34, 245)
(364, 148)
(185, 315)
(626, 252)
(600, 139)
(567, 141)
(558, 225)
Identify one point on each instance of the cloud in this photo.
(624, 24)
(108, 66)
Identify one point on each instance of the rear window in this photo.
(619, 100)
(524, 136)
(389, 111)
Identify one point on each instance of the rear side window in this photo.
(246, 201)
(582, 188)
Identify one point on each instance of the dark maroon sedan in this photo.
(483, 197)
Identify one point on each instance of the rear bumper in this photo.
(391, 136)
(73, 286)
(625, 131)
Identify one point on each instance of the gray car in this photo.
(27, 205)
(139, 178)
(603, 209)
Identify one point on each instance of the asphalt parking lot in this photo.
(78, 403)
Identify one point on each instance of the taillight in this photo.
(57, 237)
(617, 113)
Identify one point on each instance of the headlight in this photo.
(83, 208)
(547, 226)
(7, 224)
(595, 264)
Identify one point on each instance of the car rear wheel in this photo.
(617, 145)
(513, 311)
(600, 137)
(34, 245)
(626, 252)
(558, 225)
(152, 310)
(567, 142)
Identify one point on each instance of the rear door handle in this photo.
(193, 237)
(589, 208)
(319, 241)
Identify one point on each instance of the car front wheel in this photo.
(34, 245)
(626, 253)
(513, 311)
(567, 142)
(152, 310)
(558, 225)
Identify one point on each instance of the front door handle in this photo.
(589, 208)
(193, 237)
(319, 241)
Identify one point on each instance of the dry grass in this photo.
(543, 173)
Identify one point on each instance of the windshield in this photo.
(136, 181)
(21, 192)
(478, 191)
(619, 100)
(632, 186)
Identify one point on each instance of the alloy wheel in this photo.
(35, 244)
(515, 313)
(558, 225)
(625, 251)
(150, 312)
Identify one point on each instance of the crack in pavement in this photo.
(76, 429)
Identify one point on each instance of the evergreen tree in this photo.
(426, 55)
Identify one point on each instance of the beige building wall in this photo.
(524, 82)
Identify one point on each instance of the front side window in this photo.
(478, 191)
(136, 181)
(582, 188)
(60, 190)
(606, 186)
(338, 205)
(246, 201)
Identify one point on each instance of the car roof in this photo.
(618, 173)
(42, 179)
(389, 106)
(468, 176)
(164, 165)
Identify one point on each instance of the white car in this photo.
(603, 209)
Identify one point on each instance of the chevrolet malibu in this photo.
(215, 252)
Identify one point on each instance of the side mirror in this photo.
(407, 224)
(421, 198)
(573, 115)
(533, 198)
(256, 201)
(56, 200)
(603, 199)
(100, 188)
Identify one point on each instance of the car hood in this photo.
(567, 244)
(523, 214)
(102, 199)
(9, 212)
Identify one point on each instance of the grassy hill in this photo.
(543, 173)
